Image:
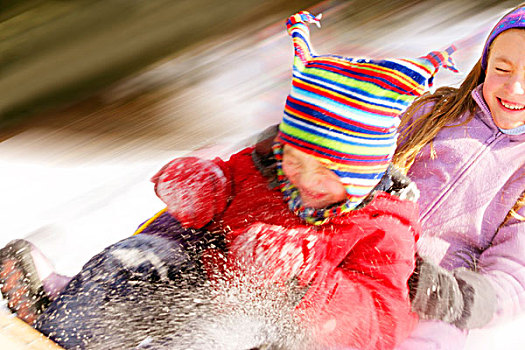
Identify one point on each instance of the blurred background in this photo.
(96, 95)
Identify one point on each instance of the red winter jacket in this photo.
(356, 266)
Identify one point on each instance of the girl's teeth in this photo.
(511, 106)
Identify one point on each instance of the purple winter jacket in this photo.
(466, 192)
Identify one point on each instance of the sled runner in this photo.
(15, 334)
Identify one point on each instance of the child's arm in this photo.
(357, 292)
(365, 296)
(195, 190)
(493, 288)
(503, 265)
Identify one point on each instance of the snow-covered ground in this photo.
(77, 179)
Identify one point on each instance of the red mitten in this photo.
(279, 253)
(194, 190)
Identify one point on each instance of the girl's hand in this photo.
(462, 297)
(434, 292)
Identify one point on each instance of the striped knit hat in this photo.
(513, 19)
(345, 111)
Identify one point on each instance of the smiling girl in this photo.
(465, 149)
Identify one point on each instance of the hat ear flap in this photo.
(297, 26)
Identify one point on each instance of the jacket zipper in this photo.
(446, 191)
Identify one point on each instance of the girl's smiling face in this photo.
(504, 86)
(318, 186)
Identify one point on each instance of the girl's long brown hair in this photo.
(513, 213)
(450, 104)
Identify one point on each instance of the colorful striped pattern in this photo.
(514, 19)
(345, 111)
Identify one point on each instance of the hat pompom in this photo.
(303, 17)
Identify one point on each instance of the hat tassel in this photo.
(300, 33)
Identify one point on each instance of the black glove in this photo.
(462, 297)
(479, 299)
(435, 293)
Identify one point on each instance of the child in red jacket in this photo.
(333, 147)
(338, 235)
